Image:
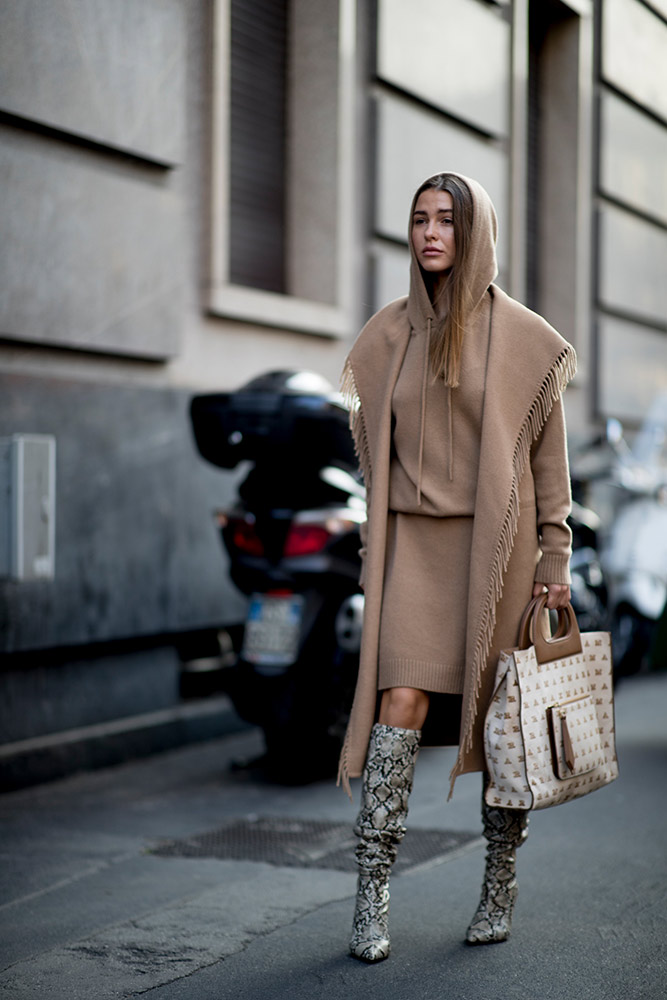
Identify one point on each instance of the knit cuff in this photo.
(553, 568)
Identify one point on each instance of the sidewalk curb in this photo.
(46, 758)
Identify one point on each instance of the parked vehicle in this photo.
(588, 588)
(293, 541)
(634, 553)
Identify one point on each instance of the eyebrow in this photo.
(439, 211)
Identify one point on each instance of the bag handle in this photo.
(566, 641)
(526, 620)
(525, 635)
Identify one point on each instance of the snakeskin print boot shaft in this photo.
(387, 783)
(505, 831)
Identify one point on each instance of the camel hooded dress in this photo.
(468, 493)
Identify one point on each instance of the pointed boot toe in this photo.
(371, 951)
(486, 932)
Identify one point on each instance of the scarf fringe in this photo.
(553, 385)
(343, 769)
(350, 394)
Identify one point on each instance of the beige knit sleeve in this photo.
(553, 498)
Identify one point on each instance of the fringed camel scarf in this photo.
(529, 365)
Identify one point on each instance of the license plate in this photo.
(272, 630)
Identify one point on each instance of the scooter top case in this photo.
(286, 415)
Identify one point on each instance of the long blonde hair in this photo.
(452, 298)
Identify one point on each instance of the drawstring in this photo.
(422, 428)
(450, 401)
(450, 434)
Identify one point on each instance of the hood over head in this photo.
(481, 265)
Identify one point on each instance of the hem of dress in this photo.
(426, 675)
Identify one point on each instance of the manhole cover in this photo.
(298, 843)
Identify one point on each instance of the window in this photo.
(283, 166)
(558, 158)
(257, 148)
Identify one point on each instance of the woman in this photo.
(456, 412)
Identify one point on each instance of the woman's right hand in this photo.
(558, 594)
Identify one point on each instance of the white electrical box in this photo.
(28, 507)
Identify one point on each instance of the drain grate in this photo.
(297, 843)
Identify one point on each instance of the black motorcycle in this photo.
(293, 541)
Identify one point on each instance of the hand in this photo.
(559, 594)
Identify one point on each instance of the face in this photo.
(433, 231)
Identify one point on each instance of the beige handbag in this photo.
(549, 730)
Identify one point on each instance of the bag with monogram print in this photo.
(549, 730)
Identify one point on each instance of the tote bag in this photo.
(549, 732)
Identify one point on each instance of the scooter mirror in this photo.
(342, 480)
(614, 431)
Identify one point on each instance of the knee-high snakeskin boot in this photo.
(505, 831)
(387, 783)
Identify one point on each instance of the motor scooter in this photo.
(634, 551)
(293, 540)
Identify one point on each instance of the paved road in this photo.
(88, 912)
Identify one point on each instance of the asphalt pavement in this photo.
(90, 910)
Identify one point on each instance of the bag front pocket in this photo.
(576, 747)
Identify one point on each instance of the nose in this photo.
(430, 229)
